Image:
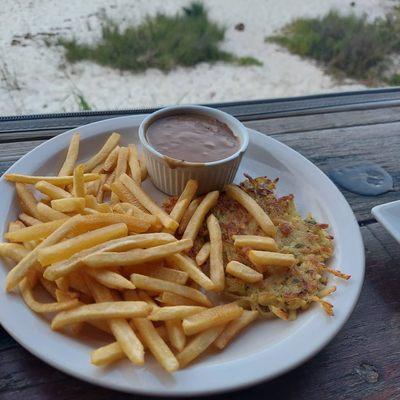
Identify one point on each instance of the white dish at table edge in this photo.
(388, 215)
(263, 351)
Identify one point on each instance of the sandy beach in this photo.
(35, 78)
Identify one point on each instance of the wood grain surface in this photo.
(363, 360)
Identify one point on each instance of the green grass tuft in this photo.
(394, 80)
(349, 44)
(244, 61)
(82, 102)
(161, 41)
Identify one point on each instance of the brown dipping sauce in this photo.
(192, 137)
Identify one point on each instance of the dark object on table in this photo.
(363, 178)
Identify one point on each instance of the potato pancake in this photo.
(283, 290)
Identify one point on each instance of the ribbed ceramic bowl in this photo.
(170, 176)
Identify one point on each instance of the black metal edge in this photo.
(244, 110)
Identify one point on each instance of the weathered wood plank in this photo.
(362, 362)
(335, 120)
(327, 149)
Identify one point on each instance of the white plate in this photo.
(389, 216)
(265, 350)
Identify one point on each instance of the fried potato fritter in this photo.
(282, 291)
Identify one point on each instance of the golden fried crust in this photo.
(307, 240)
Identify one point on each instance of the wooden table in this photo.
(363, 361)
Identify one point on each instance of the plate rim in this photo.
(165, 392)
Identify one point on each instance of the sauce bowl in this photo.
(170, 175)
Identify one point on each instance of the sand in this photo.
(35, 78)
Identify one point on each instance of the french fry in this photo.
(172, 299)
(63, 250)
(203, 254)
(118, 209)
(252, 207)
(27, 201)
(157, 285)
(17, 225)
(125, 195)
(99, 220)
(52, 191)
(142, 295)
(234, 327)
(109, 181)
(102, 311)
(211, 317)
(102, 155)
(62, 296)
(71, 157)
(174, 312)
(90, 211)
(104, 208)
(199, 345)
(188, 214)
(160, 272)
(55, 180)
(148, 203)
(71, 204)
(175, 333)
(168, 274)
(63, 268)
(14, 251)
(263, 259)
(136, 256)
(106, 355)
(143, 168)
(49, 214)
(34, 232)
(28, 220)
(90, 201)
(29, 262)
(243, 272)
(110, 279)
(186, 264)
(78, 185)
(122, 164)
(77, 283)
(255, 242)
(193, 227)
(217, 273)
(134, 165)
(156, 344)
(184, 200)
(112, 352)
(111, 160)
(122, 331)
(40, 308)
(137, 212)
(100, 189)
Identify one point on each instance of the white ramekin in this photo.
(171, 178)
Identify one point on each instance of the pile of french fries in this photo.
(110, 257)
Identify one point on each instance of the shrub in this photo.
(161, 41)
(346, 44)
